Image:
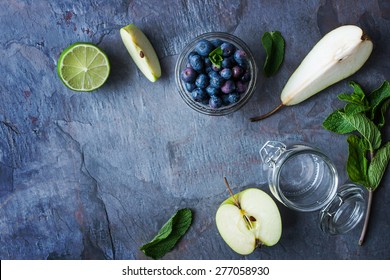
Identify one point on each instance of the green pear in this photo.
(141, 51)
(338, 55)
(249, 219)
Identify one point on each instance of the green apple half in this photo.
(249, 219)
(141, 51)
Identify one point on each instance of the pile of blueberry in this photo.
(216, 84)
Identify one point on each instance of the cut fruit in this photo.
(141, 51)
(249, 219)
(338, 55)
(83, 67)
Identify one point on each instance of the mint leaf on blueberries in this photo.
(367, 157)
(216, 57)
(169, 234)
(273, 44)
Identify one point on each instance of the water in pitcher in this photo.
(306, 180)
(301, 177)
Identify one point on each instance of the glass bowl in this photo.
(205, 108)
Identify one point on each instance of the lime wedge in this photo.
(83, 67)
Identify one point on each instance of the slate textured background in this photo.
(95, 175)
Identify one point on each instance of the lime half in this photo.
(83, 67)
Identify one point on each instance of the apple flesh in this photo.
(338, 55)
(255, 222)
(141, 51)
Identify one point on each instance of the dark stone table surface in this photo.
(95, 175)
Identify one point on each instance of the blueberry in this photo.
(228, 87)
(202, 81)
(227, 49)
(204, 47)
(208, 69)
(196, 62)
(241, 86)
(199, 95)
(228, 62)
(226, 73)
(246, 77)
(216, 80)
(190, 86)
(233, 97)
(205, 101)
(191, 54)
(213, 74)
(240, 56)
(212, 90)
(188, 75)
(216, 42)
(225, 99)
(215, 102)
(207, 62)
(216, 68)
(244, 64)
(237, 72)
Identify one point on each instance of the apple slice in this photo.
(249, 219)
(141, 51)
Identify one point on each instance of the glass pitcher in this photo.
(305, 179)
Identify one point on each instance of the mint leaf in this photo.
(379, 102)
(357, 163)
(378, 96)
(342, 123)
(378, 165)
(216, 57)
(357, 97)
(366, 128)
(347, 97)
(366, 116)
(169, 234)
(352, 108)
(273, 44)
(358, 93)
(336, 123)
(381, 116)
(163, 233)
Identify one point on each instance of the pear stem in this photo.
(231, 193)
(262, 117)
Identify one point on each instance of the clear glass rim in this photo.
(224, 110)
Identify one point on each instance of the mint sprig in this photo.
(168, 235)
(363, 117)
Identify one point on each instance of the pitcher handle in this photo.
(271, 151)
